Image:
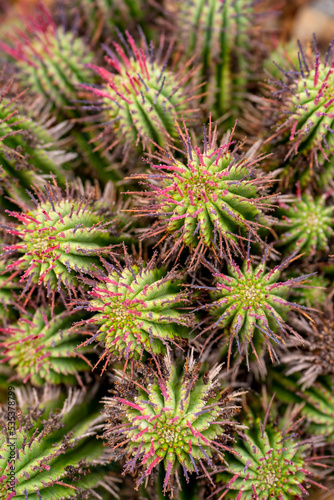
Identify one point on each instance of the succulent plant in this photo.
(137, 310)
(141, 98)
(221, 34)
(51, 61)
(251, 304)
(307, 225)
(61, 238)
(28, 147)
(57, 454)
(41, 348)
(305, 110)
(268, 463)
(177, 419)
(210, 198)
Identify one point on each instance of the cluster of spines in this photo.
(214, 202)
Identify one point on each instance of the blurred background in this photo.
(300, 18)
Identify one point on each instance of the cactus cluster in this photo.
(166, 252)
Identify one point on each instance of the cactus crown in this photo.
(137, 309)
(142, 97)
(59, 239)
(249, 304)
(175, 419)
(50, 448)
(268, 464)
(310, 225)
(208, 199)
(51, 60)
(42, 349)
(308, 102)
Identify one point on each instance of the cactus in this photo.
(208, 199)
(313, 294)
(221, 33)
(307, 225)
(304, 120)
(41, 348)
(142, 98)
(57, 454)
(137, 310)
(28, 148)
(251, 304)
(268, 463)
(177, 420)
(50, 60)
(61, 238)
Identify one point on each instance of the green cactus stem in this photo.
(177, 420)
(138, 310)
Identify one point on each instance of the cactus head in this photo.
(175, 420)
(269, 463)
(42, 348)
(141, 98)
(305, 107)
(50, 60)
(208, 199)
(137, 310)
(251, 304)
(29, 148)
(65, 458)
(307, 225)
(61, 238)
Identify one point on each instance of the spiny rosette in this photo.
(209, 199)
(57, 454)
(60, 239)
(221, 34)
(306, 107)
(141, 97)
(138, 309)
(307, 225)
(268, 463)
(251, 304)
(41, 348)
(51, 61)
(29, 146)
(177, 419)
